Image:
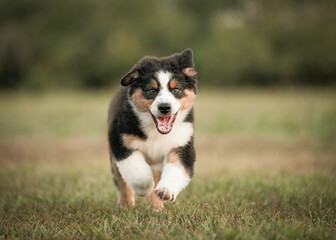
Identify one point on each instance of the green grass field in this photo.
(266, 164)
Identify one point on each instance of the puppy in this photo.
(151, 129)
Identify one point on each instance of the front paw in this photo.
(165, 194)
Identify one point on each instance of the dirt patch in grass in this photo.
(40, 151)
(216, 154)
(245, 153)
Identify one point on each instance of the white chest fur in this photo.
(157, 145)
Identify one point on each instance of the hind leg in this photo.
(126, 196)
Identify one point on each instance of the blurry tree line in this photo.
(87, 43)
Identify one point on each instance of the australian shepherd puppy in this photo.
(151, 129)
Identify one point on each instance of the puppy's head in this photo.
(163, 87)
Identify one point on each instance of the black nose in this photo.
(164, 108)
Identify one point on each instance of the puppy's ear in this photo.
(186, 58)
(189, 72)
(187, 63)
(129, 78)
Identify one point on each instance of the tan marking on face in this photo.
(172, 84)
(142, 104)
(154, 84)
(188, 100)
(131, 141)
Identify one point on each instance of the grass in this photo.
(265, 169)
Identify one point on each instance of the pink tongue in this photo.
(165, 124)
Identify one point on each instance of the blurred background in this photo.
(91, 44)
(265, 116)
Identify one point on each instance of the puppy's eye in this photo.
(151, 93)
(176, 92)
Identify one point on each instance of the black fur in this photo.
(188, 156)
(174, 63)
(190, 116)
(144, 84)
(122, 118)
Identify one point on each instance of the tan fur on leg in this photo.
(126, 196)
(153, 199)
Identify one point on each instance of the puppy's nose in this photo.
(164, 108)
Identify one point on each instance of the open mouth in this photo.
(164, 124)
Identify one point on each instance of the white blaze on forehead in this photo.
(164, 95)
(164, 78)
